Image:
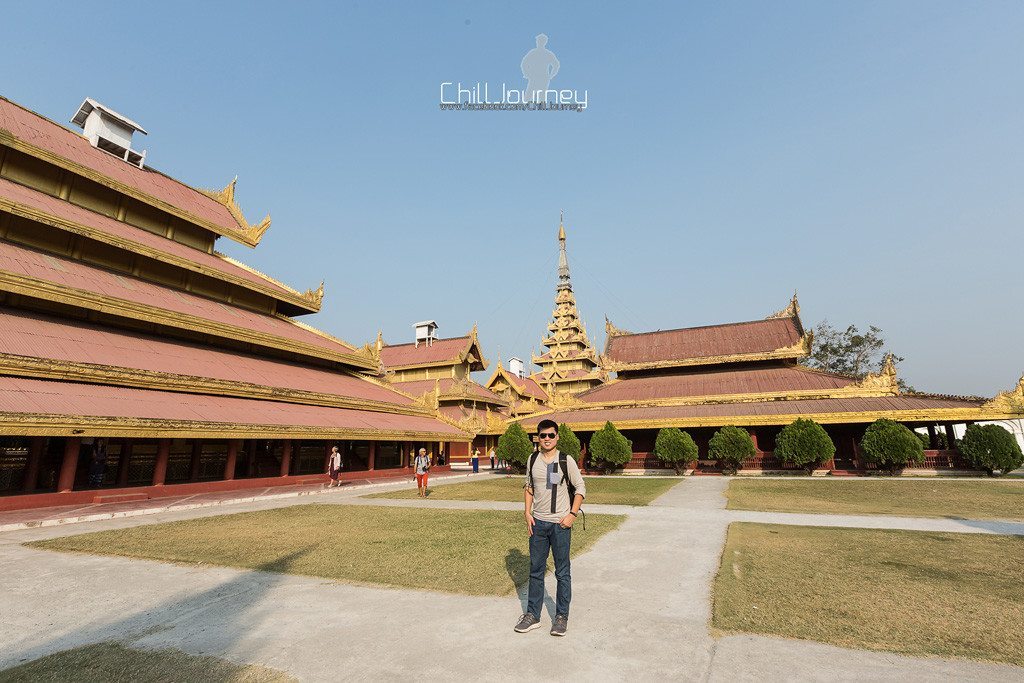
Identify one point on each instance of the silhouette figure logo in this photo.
(539, 66)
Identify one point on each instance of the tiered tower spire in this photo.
(570, 365)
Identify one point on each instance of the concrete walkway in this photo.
(641, 609)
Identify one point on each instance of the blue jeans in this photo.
(549, 536)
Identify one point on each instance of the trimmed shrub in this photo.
(804, 443)
(515, 447)
(991, 448)
(730, 446)
(568, 442)
(675, 447)
(891, 445)
(609, 449)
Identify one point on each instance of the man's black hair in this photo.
(543, 424)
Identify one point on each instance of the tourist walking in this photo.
(554, 492)
(490, 454)
(334, 467)
(422, 469)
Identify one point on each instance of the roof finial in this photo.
(561, 225)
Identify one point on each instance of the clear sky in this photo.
(868, 154)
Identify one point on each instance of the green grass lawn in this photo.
(606, 491)
(920, 593)
(105, 662)
(998, 499)
(479, 552)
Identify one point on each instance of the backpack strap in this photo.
(529, 468)
(569, 485)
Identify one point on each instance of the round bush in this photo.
(568, 442)
(515, 447)
(991, 448)
(804, 443)
(891, 446)
(675, 447)
(730, 446)
(609, 448)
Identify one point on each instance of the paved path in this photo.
(641, 609)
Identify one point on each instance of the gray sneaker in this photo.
(527, 622)
(559, 625)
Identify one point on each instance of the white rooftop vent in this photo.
(109, 131)
(517, 367)
(425, 332)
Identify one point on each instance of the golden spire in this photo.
(561, 226)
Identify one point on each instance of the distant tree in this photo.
(730, 446)
(991, 448)
(891, 445)
(804, 443)
(675, 447)
(515, 447)
(568, 442)
(609, 448)
(850, 351)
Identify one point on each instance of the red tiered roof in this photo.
(758, 336)
(440, 351)
(66, 211)
(66, 272)
(38, 397)
(528, 386)
(38, 131)
(758, 412)
(768, 379)
(36, 335)
(447, 385)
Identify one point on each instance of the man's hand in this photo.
(529, 524)
(567, 521)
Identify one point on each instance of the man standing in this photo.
(550, 513)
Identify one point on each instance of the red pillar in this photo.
(753, 437)
(35, 455)
(163, 454)
(372, 458)
(197, 459)
(856, 452)
(122, 464)
(66, 479)
(229, 464)
(286, 457)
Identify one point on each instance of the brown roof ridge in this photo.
(440, 339)
(701, 327)
(952, 397)
(147, 168)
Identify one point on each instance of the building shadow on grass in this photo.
(994, 526)
(518, 567)
(229, 610)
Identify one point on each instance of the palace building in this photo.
(137, 361)
(523, 394)
(748, 374)
(570, 365)
(437, 372)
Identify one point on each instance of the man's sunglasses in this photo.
(548, 435)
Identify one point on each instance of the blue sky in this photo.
(868, 154)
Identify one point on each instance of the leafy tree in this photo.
(730, 446)
(675, 447)
(515, 447)
(610, 448)
(941, 442)
(991, 448)
(850, 351)
(568, 442)
(891, 445)
(804, 443)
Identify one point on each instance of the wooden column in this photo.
(251, 459)
(327, 456)
(197, 459)
(163, 454)
(229, 464)
(371, 459)
(855, 451)
(35, 456)
(933, 439)
(950, 436)
(286, 457)
(753, 437)
(66, 478)
(123, 463)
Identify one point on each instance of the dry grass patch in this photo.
(954, 499)
(600, 491)
(457, 551)
(106, 662)
(945, 594)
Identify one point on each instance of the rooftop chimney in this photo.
(425, 332)
(516, 367)
(109, 131)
